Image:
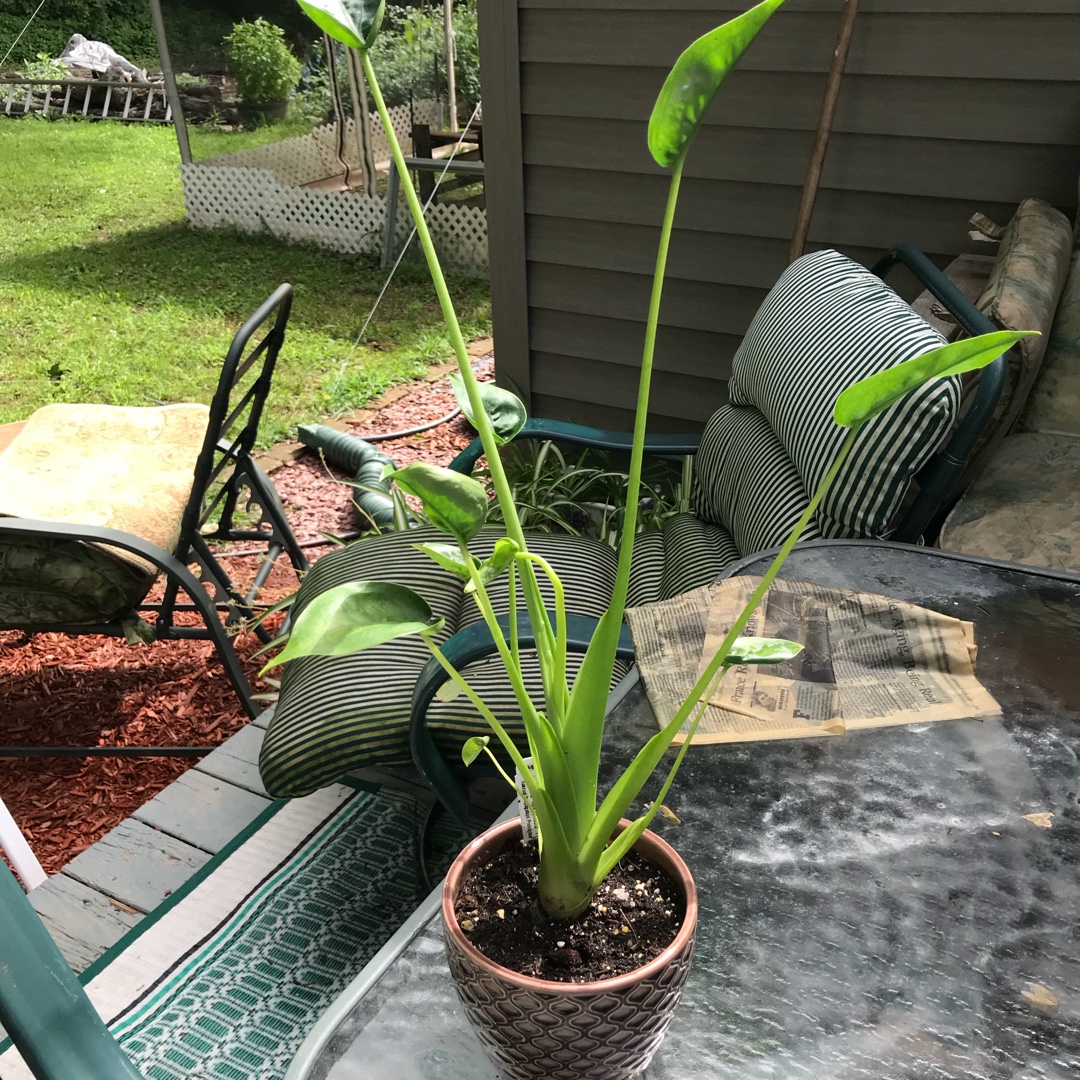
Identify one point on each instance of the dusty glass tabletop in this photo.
(875, 905)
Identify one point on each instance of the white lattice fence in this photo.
(254, 199)
(306, 159)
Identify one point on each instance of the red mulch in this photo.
(87, 691)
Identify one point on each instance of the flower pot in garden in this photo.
(533, 1029)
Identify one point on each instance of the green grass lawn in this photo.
(107, 296)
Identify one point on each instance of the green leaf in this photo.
(453, 503)
(474, 747)
(761, 650)
(449, 691)
(504, 409)
(354, 616)
(694, 80)
(877, 392)
(448, 557)
(499, 559)
(333, 17)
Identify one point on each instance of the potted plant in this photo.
(266, 70)
(559, 1023)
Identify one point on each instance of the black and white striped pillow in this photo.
(827, 323)
(336, 715)
(746, 482)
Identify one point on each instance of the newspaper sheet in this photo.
(867, 661)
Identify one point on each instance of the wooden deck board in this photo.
(202, 810)
(237, 761)
(82, 921)
(136, 864)
(110, 886)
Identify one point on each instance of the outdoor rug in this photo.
(224, 980)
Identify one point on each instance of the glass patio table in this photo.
(873, 905)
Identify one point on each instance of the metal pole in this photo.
(451, 76)
(824, 128)
(171, 92)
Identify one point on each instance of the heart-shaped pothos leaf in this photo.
(454, 503)
(504, 409)
(354, 616)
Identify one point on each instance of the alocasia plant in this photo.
(565, 731)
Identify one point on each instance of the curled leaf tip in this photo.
(694, 80)
(875, 393)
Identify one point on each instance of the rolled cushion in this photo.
(1022, 294)
(826, 324)
(337, 715)
(1053, 405)
(746, 482)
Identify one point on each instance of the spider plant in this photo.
(583, 495)
(577, 843)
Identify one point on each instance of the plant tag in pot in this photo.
(528, 822)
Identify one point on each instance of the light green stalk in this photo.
(545, 638)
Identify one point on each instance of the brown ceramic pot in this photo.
(538, 1030)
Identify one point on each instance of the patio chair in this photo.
(104, 501)
(42, 1005)
(827, 323)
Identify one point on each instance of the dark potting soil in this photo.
(633, 917)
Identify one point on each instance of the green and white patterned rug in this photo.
(224, 981)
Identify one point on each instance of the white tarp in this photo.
(101, 59)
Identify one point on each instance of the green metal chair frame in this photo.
(937, 482)
(227, 482)
(43, 1007)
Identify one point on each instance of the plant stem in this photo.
(770, 575)
(637, 454)
(492, 720)
(534, 603)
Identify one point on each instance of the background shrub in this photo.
(409, 54)
(260, 59)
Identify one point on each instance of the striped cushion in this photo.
(746, 482)
(696, 552)
(827, 323)
(336, 715)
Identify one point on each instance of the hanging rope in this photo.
(21, 32)
(409, 240)
(339, 105)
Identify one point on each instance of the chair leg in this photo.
(266, 496)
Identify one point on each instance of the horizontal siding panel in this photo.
(618, 342)
(602, 416)
(859, 219)
(692, 398)
(987, 109)
(867, 7)
(692, 305)
(932, 44)
(996, 172)
(695, 256)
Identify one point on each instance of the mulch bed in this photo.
(85, 691)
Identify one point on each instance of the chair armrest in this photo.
(939, 477)
(578, 435)
(42, 1006)
(466, 647)
(172, 567)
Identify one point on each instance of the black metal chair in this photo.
(228, 491)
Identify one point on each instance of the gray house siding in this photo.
(948, 107)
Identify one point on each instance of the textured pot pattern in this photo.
(538, 1030)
